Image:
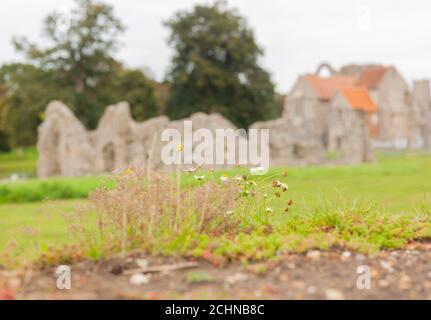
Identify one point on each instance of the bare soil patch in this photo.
(403, 274)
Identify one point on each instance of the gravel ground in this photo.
(402, 274)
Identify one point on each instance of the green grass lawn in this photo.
(20, 161)
(30, 227)
(35, 190)
(398, 184)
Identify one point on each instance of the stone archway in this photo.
(325, 66)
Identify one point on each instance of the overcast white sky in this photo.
(295, 34)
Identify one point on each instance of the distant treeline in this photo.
(215, 68)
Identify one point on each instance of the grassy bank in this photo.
(395, 183)
(366, 207)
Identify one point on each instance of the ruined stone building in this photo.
(308, 105)
(349, 133)
(346, 114)
(402, 118)
(390, 92)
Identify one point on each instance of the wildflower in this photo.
(265, 195)
(284, 187)
(229, 212)
(223, 178)
(277, 194)
(285, 174)
(253, 193)
(276, 184)
(190, 170)
(238, 178)
(268, 209)
(199, 177)
(128, 171)
(180, 147)
(252, 183)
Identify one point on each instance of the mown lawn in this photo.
(395, 185)
(19, 161)
(27, 228)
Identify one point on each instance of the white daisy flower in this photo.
(252, 182)
(238, 178)
(284, 187)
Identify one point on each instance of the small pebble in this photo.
(311, 290)
(283, 277)
(334, 294)
(346, 255)
(383, 283)
(387, 266)
(314, 254)
(139, 279)
(142, 263)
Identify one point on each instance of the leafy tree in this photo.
(215, 67)
(26, 90)
(78, 52)
(134, 87)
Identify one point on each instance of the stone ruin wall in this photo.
(405, 112)
(66, 148)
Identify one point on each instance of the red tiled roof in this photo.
(358, 98)
(371, 78)
(326, 88)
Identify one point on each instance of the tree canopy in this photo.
(79, 52)
(216, 67)
(26, 90)
(75, 65)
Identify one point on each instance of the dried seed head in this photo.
(276, 184)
